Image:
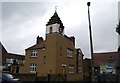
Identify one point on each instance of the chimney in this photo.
(72, 38)
(39, 40)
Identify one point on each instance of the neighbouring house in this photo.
(10, 60)
(79, 60)
(107, 64)
(106, 67)
(106, 59)
(87, 67)
(54, 55)
(87, 70)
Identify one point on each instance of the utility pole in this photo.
(91, 44)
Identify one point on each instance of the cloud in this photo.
(24, 21)
(21, 24)
(104, 24)
(0, 20)
(103, 20)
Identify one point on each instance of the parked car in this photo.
(9, 78)
(0, 77)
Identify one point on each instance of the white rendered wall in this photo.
(55, 28)
(47, 29)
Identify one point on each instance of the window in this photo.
(69, 52)
(79, 69)
(9, 60)
(33, 68)
(50, 29)
(33, 53)
(63, 65)
(79, 56)
(71, 69)
(20, 61)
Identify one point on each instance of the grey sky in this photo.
(119, 20)
(22, 22)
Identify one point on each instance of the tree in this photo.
(118, 31)
(15, 62)
(118, 28)
(119, 48)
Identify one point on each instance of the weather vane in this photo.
(55, 8)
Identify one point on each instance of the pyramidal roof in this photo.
(55, 19)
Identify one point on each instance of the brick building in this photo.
(55, 54)
(107, 65)
(106, 59)
(8, 59)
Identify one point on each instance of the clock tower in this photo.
(54, 25)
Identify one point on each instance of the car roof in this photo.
(5, 72)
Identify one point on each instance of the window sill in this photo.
(70, 57)
(33, 56)
(32, 71)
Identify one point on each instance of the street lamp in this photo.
(91, 44)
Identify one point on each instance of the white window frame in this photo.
(9, 61)
(33, 68)
(33, 53)
(71, 69)
(69, 52)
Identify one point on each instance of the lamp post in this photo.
(91, 44)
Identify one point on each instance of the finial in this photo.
(55, 8)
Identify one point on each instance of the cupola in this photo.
(55, 25)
